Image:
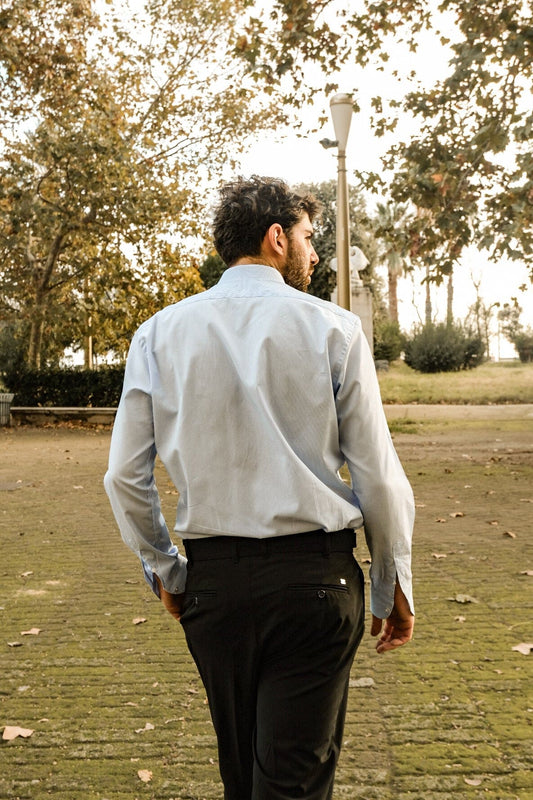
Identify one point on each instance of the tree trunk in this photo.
(393, 295)
(36, 333)
(429, 310)
(41, 284)
(449, 301)
(88, 352)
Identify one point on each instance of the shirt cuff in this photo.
(173, 580)
(382, 590)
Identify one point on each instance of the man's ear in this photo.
(275, 240)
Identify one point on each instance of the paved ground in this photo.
(110, 697)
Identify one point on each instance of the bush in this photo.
(389, 341)
(512, 328)
(523, 343)
(66, 387)
(443, 348)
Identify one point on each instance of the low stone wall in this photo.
(37, 415)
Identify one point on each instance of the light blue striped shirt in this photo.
(254, 395)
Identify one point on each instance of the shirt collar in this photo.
(251, 271)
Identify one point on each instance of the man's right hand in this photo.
(398, 629)
(172, 602)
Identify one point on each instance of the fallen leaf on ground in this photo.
(439, 555)
(457, 514)
(31, 632)
(473, 781)
(14, 644)
(460, 619)
(524, 647)
(139, 620)
(147, 727)
(463, 598)
(145, 775)
(13, 731)
(440, 519)
(510, 534)
(527, 572)
(361, 683)
(26, 574)
(526, 500)
(493, 522)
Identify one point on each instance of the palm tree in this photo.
(390, 228)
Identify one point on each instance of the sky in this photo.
(302, 159)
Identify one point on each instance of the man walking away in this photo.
(254, 394)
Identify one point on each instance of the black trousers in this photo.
(273, 628)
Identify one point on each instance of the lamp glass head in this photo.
(341, 106)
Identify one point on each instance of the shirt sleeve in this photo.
(129, 480)
(379, 483)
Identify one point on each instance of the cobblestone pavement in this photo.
(101, 675)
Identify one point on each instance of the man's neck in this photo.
(261, 260)
(253, 260)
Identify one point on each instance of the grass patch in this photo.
(403, 426)
(491, 383)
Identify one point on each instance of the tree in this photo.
(480, 315)
(104, 123)
(112, 314)
(512, 328)
(390, 227)
(455, 167)
(470, 162)
(211, 269)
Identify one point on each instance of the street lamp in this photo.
(341, 106)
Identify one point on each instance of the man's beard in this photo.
(296, 269)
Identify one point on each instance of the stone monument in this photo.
(361, 296)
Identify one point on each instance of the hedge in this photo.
(443, 348)
(66, 387)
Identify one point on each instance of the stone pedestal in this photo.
(362, 306)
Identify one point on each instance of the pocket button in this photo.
(321, 594)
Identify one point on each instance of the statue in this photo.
(358, 262)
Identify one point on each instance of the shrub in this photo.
(523, 342)
(443, 348)
(512, 328)
(66, 387)
(389, 341)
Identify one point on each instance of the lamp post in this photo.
(341, 106)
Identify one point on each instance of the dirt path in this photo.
(107, 695)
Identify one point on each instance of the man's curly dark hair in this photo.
(248, 207)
